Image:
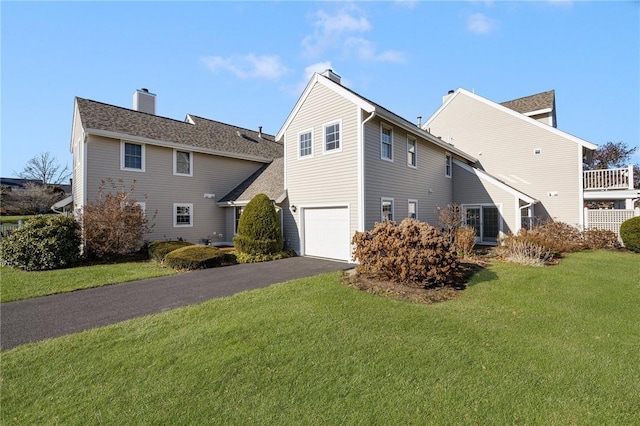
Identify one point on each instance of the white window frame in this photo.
(175, 215)
(305, 132)
(122, 156)
(143, 206)
(409, 203)
(382, 143)
(175, 162)
(412, 141)
(384, 200)
(448, 165)
(236, 218)
(324, 137)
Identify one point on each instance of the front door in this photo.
(485, 220)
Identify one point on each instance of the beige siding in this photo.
(426, 183)
(326, 178)
(211, 175)
(77, 151)
(505, 147)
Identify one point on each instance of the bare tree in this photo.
(615, 154)
(45, 168)
(34, 198)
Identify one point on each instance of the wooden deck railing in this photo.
(605, 179)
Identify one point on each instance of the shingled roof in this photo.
(196, 132)
(269, 180)
(537, 102)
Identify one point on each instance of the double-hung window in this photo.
(386, 206)
(412, 209)
(447, 165)
(182, 214)
(412, 152)
(182, 163)
(332, 137)
(305, 144)
(386, 143)
(131, 156)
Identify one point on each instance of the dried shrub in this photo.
(595, 239)
(558, 237)
(524, 250)
(160, 248)
(195, 257)
(465, 240)
(411, 253)
(114, 224)
(449, 220)
(630, 234)
(259, 230)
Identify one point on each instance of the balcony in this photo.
(608, 179)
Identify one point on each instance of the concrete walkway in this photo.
(32, 320)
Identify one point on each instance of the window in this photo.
(332, 137)
(411, 152)
(305, 141)
(182, 163)
(387, 209)
(182, 214)
(132, 156)
(239, 211)
(413, 209)
(386, 143)
(447, 165)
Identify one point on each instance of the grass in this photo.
(15, 219)
(522, 345)
(18, 284)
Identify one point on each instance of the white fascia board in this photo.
(488, 178)
(242, 203)
(513, 113)
(174, 145)
(539, 111)
(613, 194)
(73, 123)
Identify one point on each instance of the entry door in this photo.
(485, 220)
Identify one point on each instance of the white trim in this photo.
(581, 189)
(175, 218)
(175, 162)
(122, 156)
(448, 162)
(409, 202)
(415, 151)
(361, 160)
(393, 213)
(384, 125)
(143, 206)
(324, 137)
(513, 113)
(304, 132)
(537, 112)
(486, 177)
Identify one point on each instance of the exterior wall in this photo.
(211, 175)
(425, 183)
(77, 170)
(505, 147)
(325, 179)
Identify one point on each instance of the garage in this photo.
(326, 232)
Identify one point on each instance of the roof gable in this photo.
(544, 101)
(269, 180)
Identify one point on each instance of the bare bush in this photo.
(521, 249)
(595, 239)
(465, 240)
(449, 220)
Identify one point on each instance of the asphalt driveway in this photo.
(32, 320)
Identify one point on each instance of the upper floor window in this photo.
(332, 137)
(412, 211)
(386, 143)
(411, 152)
(182, 214)
(182, 163)
(305, 144)
(387, 208)
(132, 156)
(447, 165)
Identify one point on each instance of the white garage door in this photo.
(326, 233)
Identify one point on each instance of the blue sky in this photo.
(247, 63)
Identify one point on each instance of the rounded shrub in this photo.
(160, 248)
(259, 230)
(42, 243)
(630, 234)
(194, 257)
(412, 253)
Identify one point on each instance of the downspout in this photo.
(526, 206)
(361, 173)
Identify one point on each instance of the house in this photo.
(518, 143)
(182, 169)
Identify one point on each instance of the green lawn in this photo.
(16, 284)
(522, 345)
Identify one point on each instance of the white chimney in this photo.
(446, 97)
(144, 101)
(331, 76)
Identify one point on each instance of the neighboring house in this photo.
(18, 185)
(182, 169)
(518, 143)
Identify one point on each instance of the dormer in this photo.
(540, 107)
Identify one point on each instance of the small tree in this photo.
(449, 220)
(259, 230)
(33, 199)
(114, 224)
(45, 168)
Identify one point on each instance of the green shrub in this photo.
(43, 242)
(194, 257)
(595, 239)
(255, 258)
(160, 248)
(630, 234)
(411, 253)
(259, 230)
